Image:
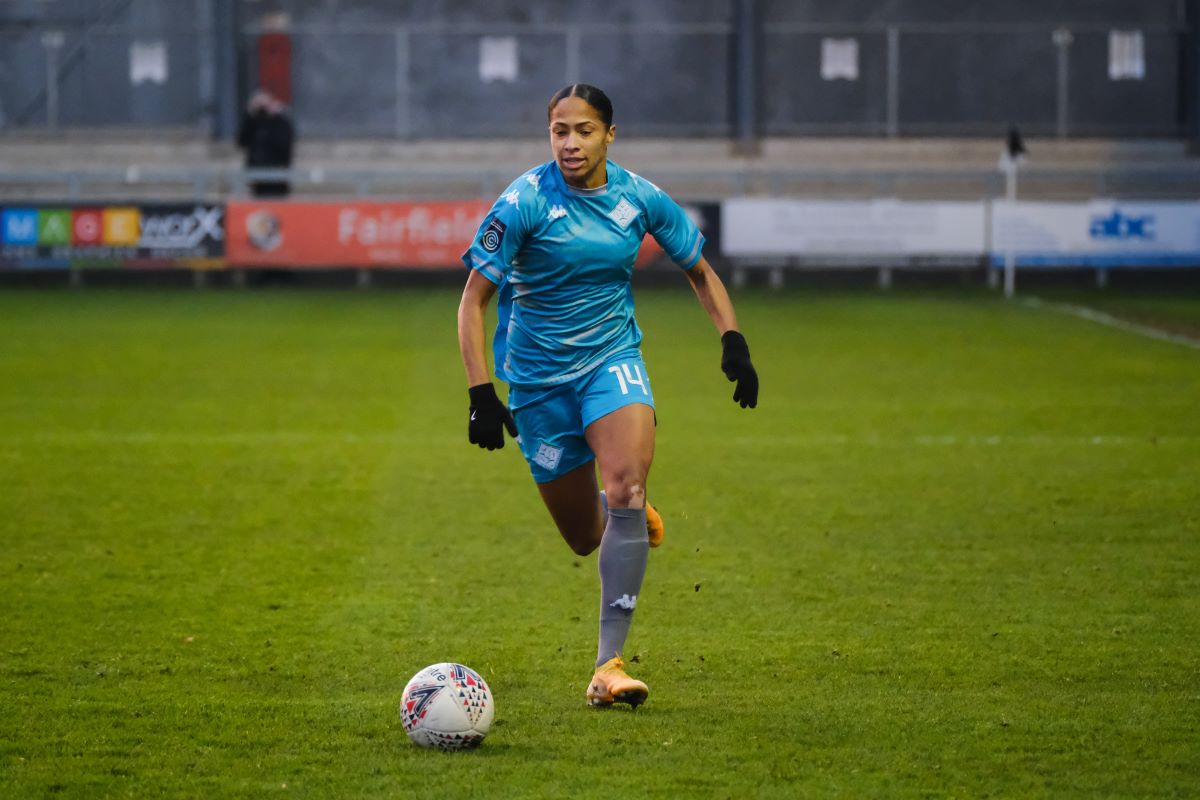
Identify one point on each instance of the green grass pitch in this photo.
(953, 553)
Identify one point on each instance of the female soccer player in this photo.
(559, 246)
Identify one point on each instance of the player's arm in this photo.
(710, 291)
(489, 258)
(472, 310)
(682, 241)
(735, 353)
(488, 414)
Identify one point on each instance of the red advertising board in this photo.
(351, 234)
(297, 235)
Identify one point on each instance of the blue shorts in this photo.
(551, 422)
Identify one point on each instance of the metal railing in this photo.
(214, 183)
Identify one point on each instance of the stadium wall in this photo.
(422, 70)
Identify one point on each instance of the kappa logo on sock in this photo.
(624, 601)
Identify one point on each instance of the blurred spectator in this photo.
(267, 135)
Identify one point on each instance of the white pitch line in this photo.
(1092, 315)
(971, 440)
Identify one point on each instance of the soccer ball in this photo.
(447, 706)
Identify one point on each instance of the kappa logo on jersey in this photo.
(624, 601)
(493, 234)
(533, 181)
(512, 197)
(625, 213)
(557, 212)
(548, 456)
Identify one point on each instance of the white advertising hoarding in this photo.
(767, 227)
(1097, 233)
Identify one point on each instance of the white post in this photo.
(1010, 274)
(1010, 260)
(775, 277)
(739, 277)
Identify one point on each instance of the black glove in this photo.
(735, 363)
(488, 414)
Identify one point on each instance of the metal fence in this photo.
(214, 184)
(109, 69)
(430, 81)
(422, 81)
(962, 80)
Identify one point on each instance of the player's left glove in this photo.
(489, 418)
(735, 363)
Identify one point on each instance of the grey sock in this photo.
(622, 564)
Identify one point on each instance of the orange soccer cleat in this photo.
(611, 685)
(654, 525)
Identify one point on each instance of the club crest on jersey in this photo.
(493, 234)
(624, 213)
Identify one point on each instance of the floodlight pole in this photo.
(226, 29)
(746, 24)
(53, 42)
(893, 81)
(1063, 39)
(1192, 70)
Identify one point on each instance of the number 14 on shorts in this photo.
(627, 377)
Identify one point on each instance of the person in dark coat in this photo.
(267, 135)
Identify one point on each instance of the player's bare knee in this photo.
(627, 494)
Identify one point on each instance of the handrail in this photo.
(765, 178)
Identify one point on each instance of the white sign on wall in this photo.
(772, 227)
(1097, 233)
(148, 62)
(498, 59)
(1126, 55)
(839, 59)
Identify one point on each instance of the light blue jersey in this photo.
(563, 258)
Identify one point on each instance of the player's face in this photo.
(580, 140)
